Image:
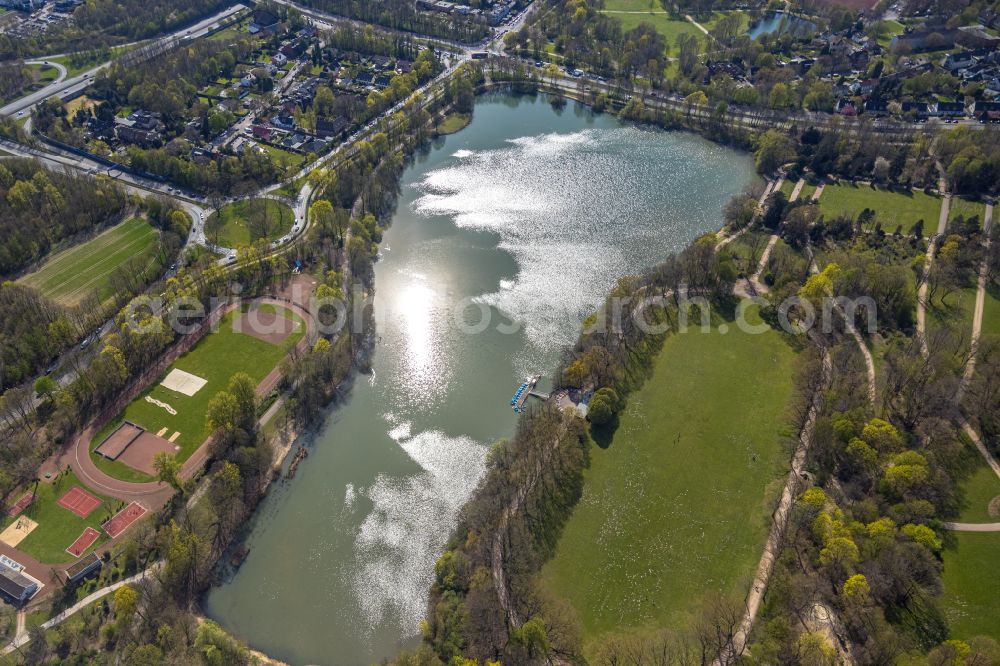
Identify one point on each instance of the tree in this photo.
(168, 469)
(126, 602)
(603, 406)
(774, 149)
(45, 386)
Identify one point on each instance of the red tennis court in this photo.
(79, 501)
(121, 520)
(21, 504)
(83, 542)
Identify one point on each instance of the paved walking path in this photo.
(818, 191)
(22, 637)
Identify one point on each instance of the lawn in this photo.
(284, 157)
(633, 12)
(891, 208)
(965, 208)
(892, 28)
(679, 503)
(74, 274)
(243, 222)
(787, 186)
(991, 312)
(59, 527)
(953, 312)
(216, 358)
(971, 600)
(454, 122)
(978, 489)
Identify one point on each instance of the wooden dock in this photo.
(527, 388)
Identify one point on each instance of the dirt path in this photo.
(780, 519)
(977, 316)
(859, 341)
(797, 190)
(928, 264)
(695, 23)
(972, 527)
(772, 186)
(759, 286)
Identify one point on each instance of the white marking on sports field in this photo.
(183, 382)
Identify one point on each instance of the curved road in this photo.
(154, 494)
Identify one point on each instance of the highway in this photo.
(78, 83)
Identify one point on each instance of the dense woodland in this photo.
(101, 23)
(42, 211)
(403, 15)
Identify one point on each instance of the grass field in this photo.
(965, 208)
(991, 312)
(216, 358)
(73, 274)
(979, 489)
(891, 208)
(955, 312)
(971, 599)
(678, 505)
(633, 12)
(787, 186)
(243, 222)
(58, 527)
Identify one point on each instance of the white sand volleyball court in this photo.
(183, 382)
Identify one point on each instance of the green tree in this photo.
(168, 469)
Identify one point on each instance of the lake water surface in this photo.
(529, 215)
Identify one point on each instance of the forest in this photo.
(101, 23)
(403, 15)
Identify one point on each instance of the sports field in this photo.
(73, 274)
(971, 599)
(216, 358)
(891, 208)
(678, 505)
(59, 527)
(244, 222)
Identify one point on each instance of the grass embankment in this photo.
(74, 274)
(678, 505)
(216, 358)
(454, 122)
(58, 527)
(244, 222)
(891, 208)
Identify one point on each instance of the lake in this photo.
(506, 236)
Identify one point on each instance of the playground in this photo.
(54, 526)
